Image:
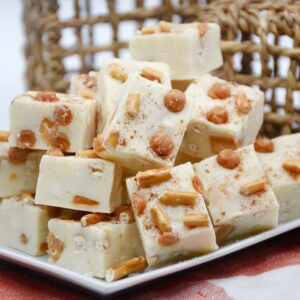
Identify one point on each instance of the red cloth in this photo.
(17, 283)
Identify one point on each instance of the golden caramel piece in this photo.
(162, 144)
(55, 152)
(113, 139)
(86, 154)
(26, 139)
(218, 115)
(292, 165)
(152, 74)
(98, 145)
(178, 198)
(139, 203)
(253, 187)
(198, 185)
(25, 195)
(175, 100)
(168, 239)
(196, 220)
(118, 73)
(46, 97)
(4, 135)
(160, 220)
(151, 177)
(55, 246)
(128, 267)
(149, 30)
(91, 219)
(63, 115)
(133, 104)
(219, 143)
(219, 91)
(124, 214)
(228, 159)
(264, 145)
(84, 201)
(242, 103)
(165, 26)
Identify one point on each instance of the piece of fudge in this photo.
(280, 158)
(190, 50)
(94, 244)
(114, 73)
(85, 85)
(19, 169)
(44, 120)
(23, 225)
(226, 115)
(238, 198)
(171, 215)
(79, 183)
(148, 126)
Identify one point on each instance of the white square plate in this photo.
(104, 288)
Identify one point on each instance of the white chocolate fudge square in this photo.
(19, 169)
(190, 50)
(44, 120)
(148, 126)
(87, 184)
(171, 215)
(93, 249)
(280, 158)
(85, 85)
(239, 200)
(114, 73)
(227, 115)
(24, 226)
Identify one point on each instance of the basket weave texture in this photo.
(260, 44)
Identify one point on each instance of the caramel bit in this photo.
(63, 116)
(23, 239)
(61, 141)
(139, 203)
(202, 28)
(88, 94)
(161, 144)
(26, 139)
(17, 156)
(148, 178)
(160, 220)
(43, 247)
(98, 145)
(26, 195)
(195, 220)
(243, 104)
(264, 145)
(219, 143)
(86, 154)
(149, 30)
(228, 159)
(197, 184)
(48, 130)
(124, 214)
(175, 100)
(292, 165)
(118, 73)
(46, 97)
(84, 201)
(219, 91)
(254, 187)
(125, 268)
(218, 115)
(113, 139)
(152, 74)
(55, 152)
(178, 198)
(165, 26)
(133, 104)
(168, 239)
(91, 219)
(4, 135)
(55, 246)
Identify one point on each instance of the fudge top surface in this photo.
(285, 147)
(200, 89)
(89, 80)
(181, 181)
(151, 118)
(52, 99)
(223, 186)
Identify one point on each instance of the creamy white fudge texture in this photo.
(85, 85)
(43, 120)
(92, 250)
(88, 184)
(217, 123)
(189, 50)
(114, 73)
(150, 136)
(23, 226)
(285, 184)
(233, 214)
(18, 170)
(179, 241)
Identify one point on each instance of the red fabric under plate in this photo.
(17, 283)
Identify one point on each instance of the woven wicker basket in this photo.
(260, 44)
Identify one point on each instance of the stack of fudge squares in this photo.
(149, 161)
